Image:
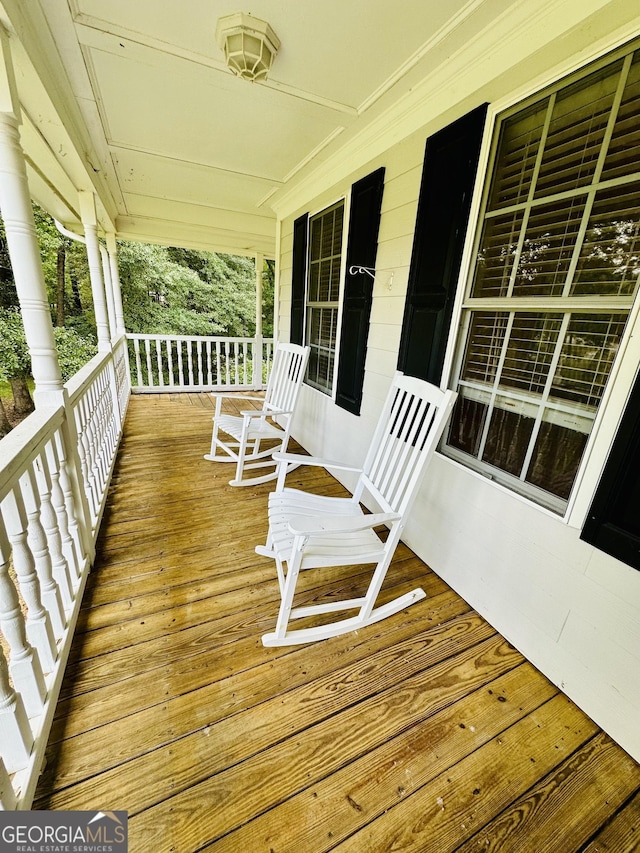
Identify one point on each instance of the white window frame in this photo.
(345, 201)
(571, 510)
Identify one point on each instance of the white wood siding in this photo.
(572, 610)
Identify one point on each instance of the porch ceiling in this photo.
(134, 99)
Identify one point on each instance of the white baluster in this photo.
(94, 460)
(136, 350)
(170, 362)
(39, 545)
(147, 347)
(159, 362)
(39, 631)
(218, 363)
(8, 800)
(200, 374)
(180, 365)
(209, 373)
(236, 354)
(246, 380)
(189, 346)
(62, 498)
(16, 738)
(49, 519)
(83, 453)
(24, 664)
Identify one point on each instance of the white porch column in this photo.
(90, 225)
(108, 289)
(259, 266)
(17, 213)
(115, 282)
(257, 346)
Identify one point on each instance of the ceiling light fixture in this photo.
(249, 45)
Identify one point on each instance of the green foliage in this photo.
(74, 351)
(189, 292)
(14, 354)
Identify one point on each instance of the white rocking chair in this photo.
(308, 531)
(243, 435)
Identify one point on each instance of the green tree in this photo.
(15, 361)
(184, 291)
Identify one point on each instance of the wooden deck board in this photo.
(424, 732)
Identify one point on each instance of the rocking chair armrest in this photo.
(236, 396)
(308, 525)
(222, 395)
(299, 459)
(263, 413)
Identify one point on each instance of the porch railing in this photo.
(55, 470)
(169, 363)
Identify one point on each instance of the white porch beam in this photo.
(22, 242)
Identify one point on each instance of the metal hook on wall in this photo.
(356, 269)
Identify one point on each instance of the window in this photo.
(323, 294)
(315, 289)
(556, 271)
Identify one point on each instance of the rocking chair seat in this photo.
(258, 428)
(330, 540)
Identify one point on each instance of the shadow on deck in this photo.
(425, 732)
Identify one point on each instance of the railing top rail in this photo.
(213, 338)
(20, 447)
(81, 380)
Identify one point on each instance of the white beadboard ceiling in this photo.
(135, 94)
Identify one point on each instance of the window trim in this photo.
(596, 451)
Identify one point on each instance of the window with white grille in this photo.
(323, 294)
(556, 270)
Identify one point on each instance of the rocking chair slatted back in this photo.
(402, 444)
(285, 378)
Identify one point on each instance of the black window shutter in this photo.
(448, 177)
(613, 522)
(362, 247)
(298, 278)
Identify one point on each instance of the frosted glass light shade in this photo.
(249, 45)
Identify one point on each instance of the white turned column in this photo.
(90, 225)
(115, 281)
(17, 213)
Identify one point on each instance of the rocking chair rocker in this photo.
(308, 531)
(242, 435)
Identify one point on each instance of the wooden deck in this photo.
(425, 732)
